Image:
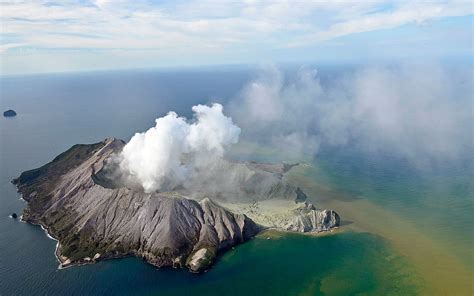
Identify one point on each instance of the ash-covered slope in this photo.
(242, 182)
(93, 218)
(92, 222)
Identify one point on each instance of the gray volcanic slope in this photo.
(92, 222)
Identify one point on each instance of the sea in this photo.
(405, 230)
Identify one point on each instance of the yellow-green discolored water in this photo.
(435, 263)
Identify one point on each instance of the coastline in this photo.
(62, 263)
(46, 231)
(277, 214)
(271, 207)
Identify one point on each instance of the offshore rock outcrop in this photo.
(9, 113)
(69, 198)
(309, 219)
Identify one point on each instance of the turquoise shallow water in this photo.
(55, 112)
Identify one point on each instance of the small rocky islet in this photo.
(95, 219)
(9, 113)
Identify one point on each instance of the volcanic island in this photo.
(93, 217)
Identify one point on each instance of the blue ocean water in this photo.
(58, 111)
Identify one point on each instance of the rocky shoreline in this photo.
(91, 222)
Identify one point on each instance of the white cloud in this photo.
(418, 12)
(5, 47)
(105, 24)
(196, 32)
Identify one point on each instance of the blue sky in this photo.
(46, 36)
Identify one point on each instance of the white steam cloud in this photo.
(164, 156)
(420, 112)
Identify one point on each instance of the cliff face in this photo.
(306, 218)
(93, 222)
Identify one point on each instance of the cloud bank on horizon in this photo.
(48, 36)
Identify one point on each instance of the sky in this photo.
(47, 36)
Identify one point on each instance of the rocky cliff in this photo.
(92, 221)
(306, 218)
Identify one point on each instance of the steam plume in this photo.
(416, 112)
(163, 157)
(419, 112)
